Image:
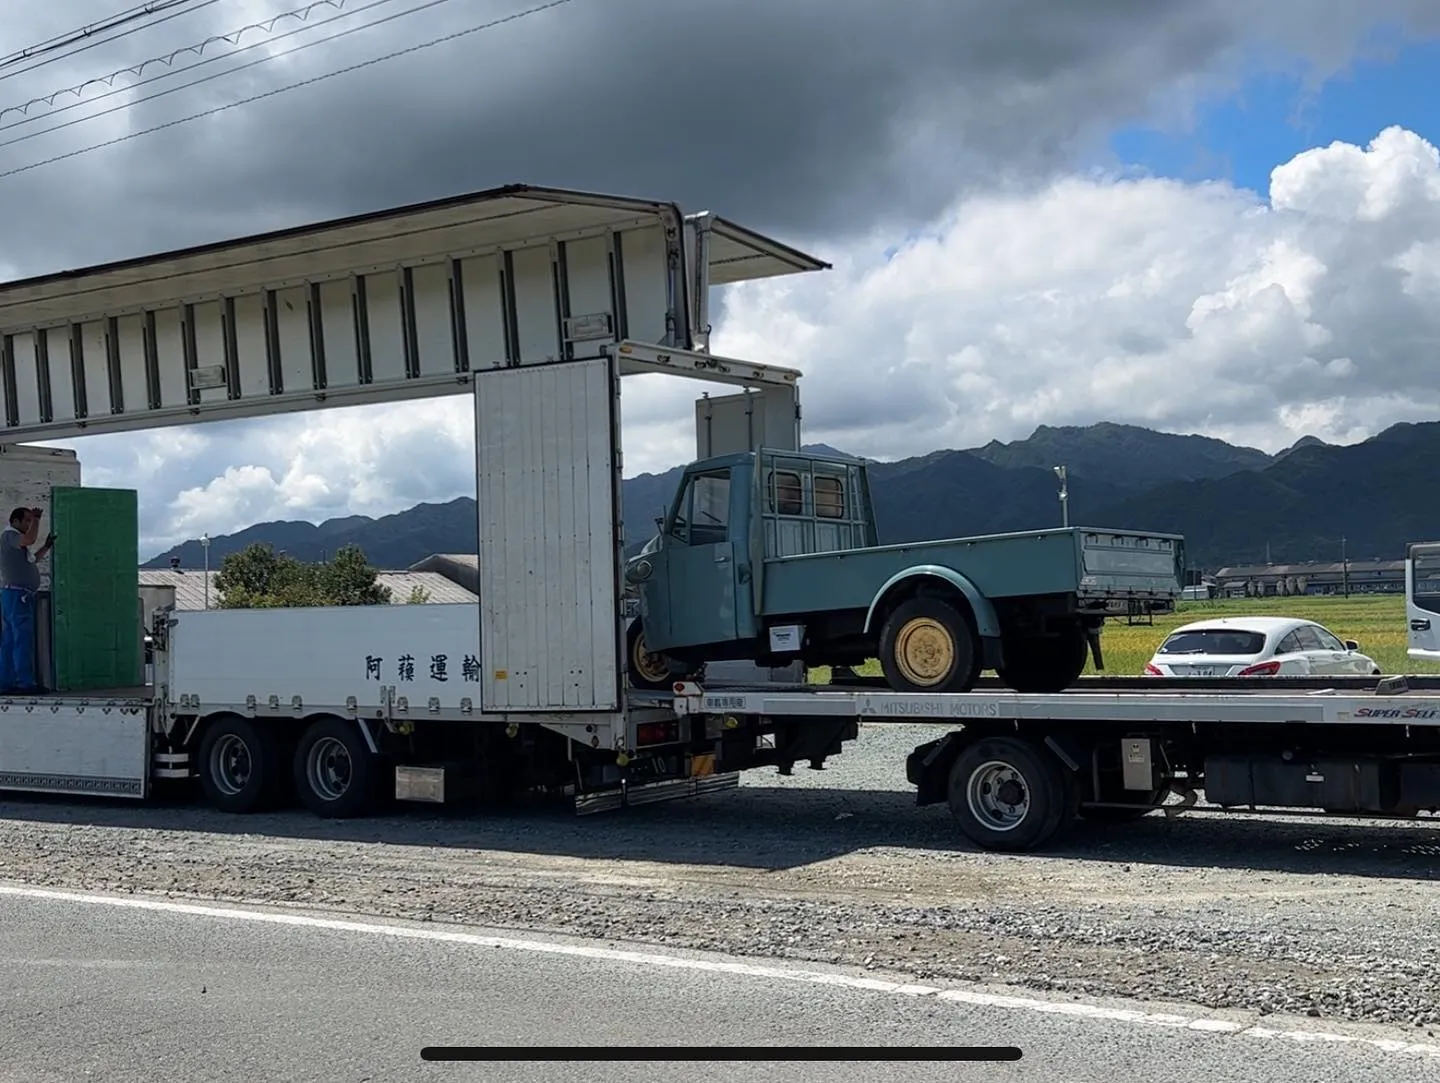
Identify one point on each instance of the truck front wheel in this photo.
(927, 645)
(647, 670)
(1042, 664)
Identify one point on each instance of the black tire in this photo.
(1044, 664)
(335, 772)
(240, 765)
(1000, 779)
(953, 662)
(652, 672)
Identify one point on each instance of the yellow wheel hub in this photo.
(924, 651)
(651, 667)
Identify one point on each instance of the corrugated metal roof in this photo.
(462, 569)
(190, 586)
(1360, 567)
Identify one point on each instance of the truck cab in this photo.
(702, 578)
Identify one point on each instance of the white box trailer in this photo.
(538, 303)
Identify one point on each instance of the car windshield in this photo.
(1214, 641)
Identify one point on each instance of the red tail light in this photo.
(1260, 669)
(656, 733)
(1152, 670)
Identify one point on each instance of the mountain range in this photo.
(1233, 504)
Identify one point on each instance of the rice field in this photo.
(1375, 621)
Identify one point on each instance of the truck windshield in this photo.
(1214, 641)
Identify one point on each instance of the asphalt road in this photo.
(105, 992)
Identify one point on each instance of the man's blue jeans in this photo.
(17, 639)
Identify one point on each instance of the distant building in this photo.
(462, 569)
(1311, 577)
(189, 586)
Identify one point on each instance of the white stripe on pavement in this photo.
(1072, 1009)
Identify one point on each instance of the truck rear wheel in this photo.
(239, 762)
(334, 769)
(1009, 795)
(1043, 664)
(927, 645)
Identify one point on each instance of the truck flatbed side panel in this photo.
(1000, 566)
(1322, 708)
(326, 655)
(60, 746)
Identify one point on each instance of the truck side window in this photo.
(829, 497)
(710, 509)
(1427, 575)
(786, 497)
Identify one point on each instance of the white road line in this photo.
(1071, 1009)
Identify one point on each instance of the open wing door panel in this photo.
(548, 479)
(1422, 599)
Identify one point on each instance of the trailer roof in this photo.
(476, 221)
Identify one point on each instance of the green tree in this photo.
(418, 596)
(348, 578)
(257, 577)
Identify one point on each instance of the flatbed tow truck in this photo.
(540, 303)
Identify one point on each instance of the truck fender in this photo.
(987, 624)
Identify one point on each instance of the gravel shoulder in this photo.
(1331, 919)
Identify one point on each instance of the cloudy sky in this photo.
(1200, 215)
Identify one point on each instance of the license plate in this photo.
(1208, 671)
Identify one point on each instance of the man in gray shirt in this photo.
(19, 580)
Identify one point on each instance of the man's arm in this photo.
(28, 538)
(44, 550)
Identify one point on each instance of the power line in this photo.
(217, 75)
(198, 48)
(74, 37)
(292, 86)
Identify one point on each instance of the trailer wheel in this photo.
(647, 670)
(1044, 664)
(926, 645)
(334, 769)
(1009, 794)
(239, 762)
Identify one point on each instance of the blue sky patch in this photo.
(1273, 117)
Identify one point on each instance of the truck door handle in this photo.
(722, 558)
(1420, 625)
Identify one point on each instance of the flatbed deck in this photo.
(1389, 701)
(128, 695)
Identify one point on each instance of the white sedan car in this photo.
(1257, 647)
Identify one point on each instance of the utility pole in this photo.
(1064, 497)
(205, 545)
(1344, 568)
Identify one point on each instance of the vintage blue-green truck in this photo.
(773, 557)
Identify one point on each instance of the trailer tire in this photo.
(335, 771)
(239, 765)
(1044, 664)
(652, 672)
(1009, 794)
(927, 645)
